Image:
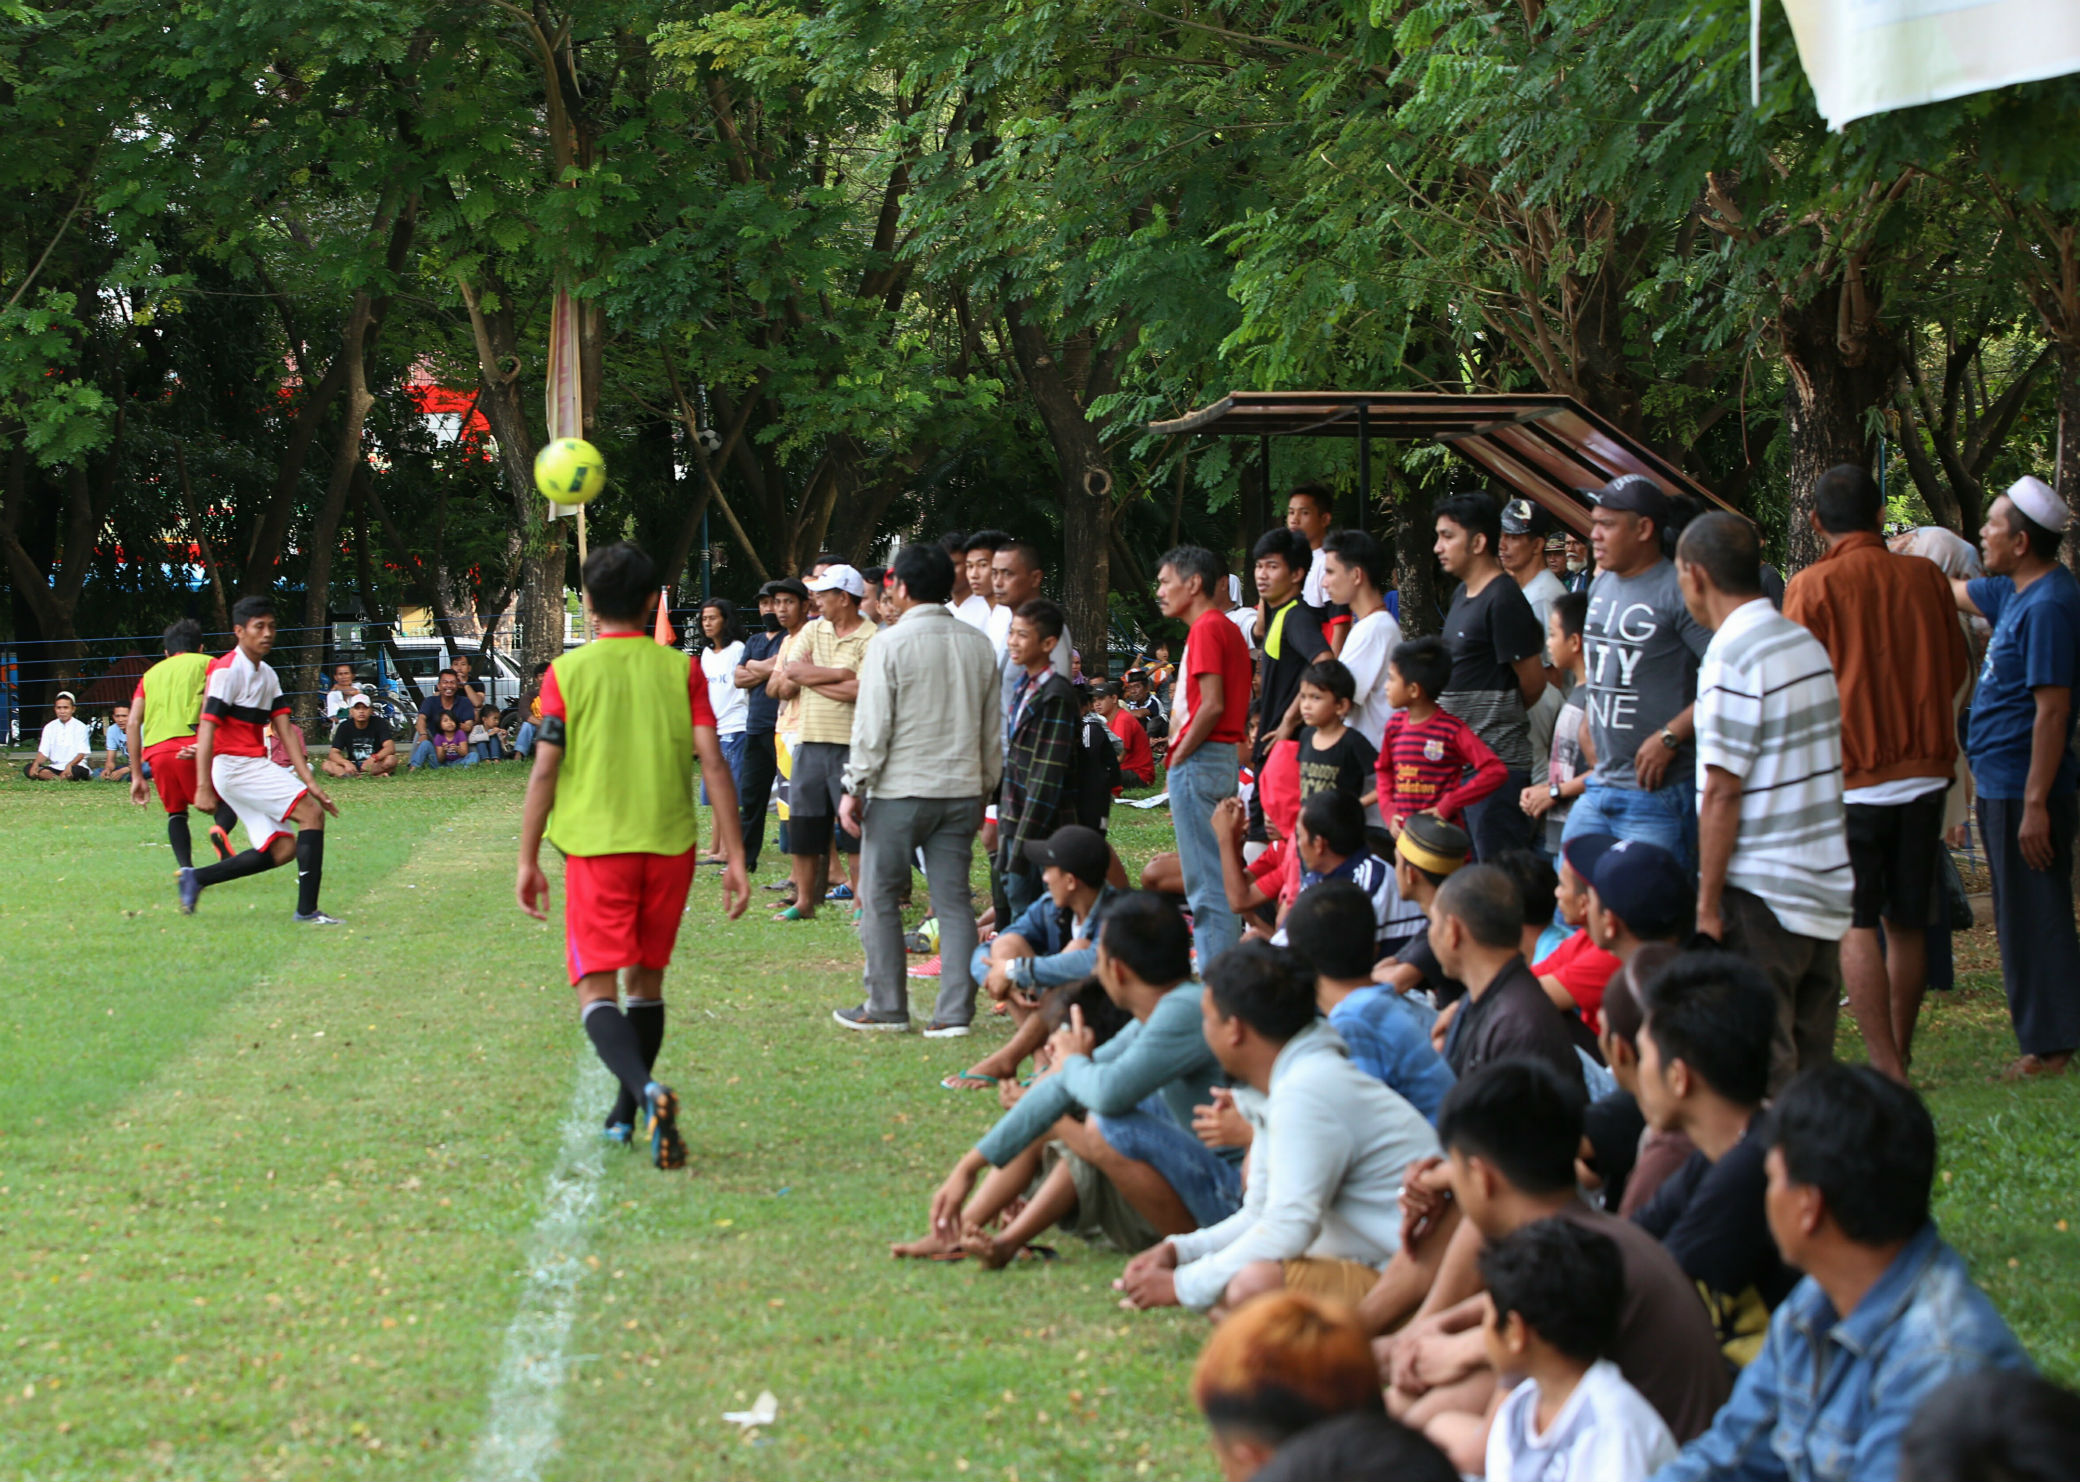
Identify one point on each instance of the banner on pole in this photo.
(1867, 56)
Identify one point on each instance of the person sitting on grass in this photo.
(1704, 1058)
(1358, 1448)
(1575, 972)
(64, 750)
(1319, 1214)
(1332, 753)
(1331, 929)
(1103, 1129)
(362, 745)
(1993, 1427)
(1137, 761)
(451, 743)
(487, 737)
(1638, 892)
(1430, 761)
(1330, 840)
(1554, 1292)
(1624, 1160)
(1282, 1364)
(1428, 852)
(115, 759)
(1886, 1314)
(1260, 890)
(1476, 931)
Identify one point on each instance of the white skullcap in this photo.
(2039, 501)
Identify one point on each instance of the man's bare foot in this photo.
(994, 1255)
(924, 1249)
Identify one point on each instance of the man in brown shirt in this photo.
(1889, 626)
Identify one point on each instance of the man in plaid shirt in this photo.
(1042, 722)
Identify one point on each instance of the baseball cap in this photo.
(1522, 517)
(1079, 850)
(360, 699)
(1638, 494)
(839, 578)
(1584, 851)
(1645, 885)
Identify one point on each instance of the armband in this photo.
(550, 731)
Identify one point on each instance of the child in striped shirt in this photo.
(1429, 761)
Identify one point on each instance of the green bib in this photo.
(626, 784)
(173, 698)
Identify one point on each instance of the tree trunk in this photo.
(1415, 562)
(2065, 472)
(324, 536)
(1835, 374)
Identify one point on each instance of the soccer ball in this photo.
(570, 471)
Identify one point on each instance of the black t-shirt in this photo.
(1512, 1020)
(1489, 632)
(1613, 1125)
(1296, 631)
(1444, 991)
(1712, 1218)
(358, 743)
(762, 712)
(1347, 765)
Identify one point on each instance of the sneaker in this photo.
(839, 893)
(777, 885)
(859, 1018)
(936, 1030)
(929, 968)
(661, 1108)
(319, 918)
(220, 841)
(190, 889)
(620, 1133)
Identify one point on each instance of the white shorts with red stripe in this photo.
(259, 792)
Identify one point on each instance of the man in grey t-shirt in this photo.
(1640, 652)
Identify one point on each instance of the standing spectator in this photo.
(722, 650)
(1576, 570)
(967, 604)
(1889, 625)
(1887, 1312)
(1244, 618)
(341, 695)
(824, 672)
(1521, 550)
(1292, 642)
(1018, 575)
(1332, 753)
(64, 748)
(1572, 753)
(362, 745)
(924, 755)
(1137, 762)
(1310, 514)
(870, 605)
(445, 700)
(1097, 775)
(2020, 743)
(1209, 728)
(115, 760)
(1429, 761)
(1641, 649)
(977, 561)
(780, 608)
(1496, 644)
(1354, 574)
(1040, 763)
(1774, 881)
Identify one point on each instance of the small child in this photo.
(1573, 756)
(450, 744)
(487, 737)
(1333, 754)
(1426, 754)
(1554, 1290)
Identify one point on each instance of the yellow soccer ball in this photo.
(570, 471)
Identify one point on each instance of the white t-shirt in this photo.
(335, 702)
(1312, 592)
(1366, 649)
(999, 630)
(65, 742)
(1606, 1432)
(731, 705)
(1245, 621)
(1542, 591)
(974, 610)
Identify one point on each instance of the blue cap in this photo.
(1584, 851)
(1645, 886)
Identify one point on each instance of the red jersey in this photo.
(1136, 759)
(1214, 646)
(241, 698)
(1584, 970)
(1425, 768)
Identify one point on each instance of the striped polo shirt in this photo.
(1769, 713)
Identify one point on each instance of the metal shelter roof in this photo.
(1548, 448)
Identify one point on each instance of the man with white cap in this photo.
(827, 677)
(2020, 746)
(362, 745)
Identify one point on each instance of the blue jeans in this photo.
(1666, 816)
(733, 758)
(1196, 784)
(524, 741)
(1207, 1184)
(422, 756)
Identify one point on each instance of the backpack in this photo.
(1096, 772)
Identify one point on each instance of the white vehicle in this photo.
(424, 658)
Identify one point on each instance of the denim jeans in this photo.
(423, 756)
(1206, 1184)
(733, 758)
(524, 741)
(1196, 784)
(1666, 816)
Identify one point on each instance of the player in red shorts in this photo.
(612, 787)
(165, 713)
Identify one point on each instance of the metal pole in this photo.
(1364, 467)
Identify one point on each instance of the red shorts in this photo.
(173, 775)
(623, 910)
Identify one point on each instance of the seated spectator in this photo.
(1141, 704)
(1625, 1160)
(1476, 930)
(1358, 1447)
(1575, 973)
(362, 745)
(1260, 890)
(1097, 771)
(1319, 1214)
(445, 700)
(1539, 885)
(340, 697)
(1332, 753)
(1554, 1291)
(1704, 1058)
(1331, 929)
(1430, 761)
(451, 743)
(1137, 761)
(1511, 1132)
(1103, 1129)
(471, 689)
(1284, 1363)
(65, 748)
(1991, 1427)
(1426, 854)
(1330, 840)
(531, 710)
(115, 760)
(487, 737)
(1887, 1312)
(1638, 892)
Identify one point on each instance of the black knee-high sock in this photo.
(226, 817)
(310, 868)
(646, 1016)
(619, 1048)
(177, 836)
(246, 862)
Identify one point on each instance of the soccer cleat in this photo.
(220, 841)
(661, 1111)
(619, 1133)
(190, 889)
(319, 918)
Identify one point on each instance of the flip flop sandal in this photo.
(793, 913)
(967, 1080)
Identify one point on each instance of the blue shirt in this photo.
(1828, 1397)
(1047, 927)
(762, 711)
(1389, 1039)
(2036, 641)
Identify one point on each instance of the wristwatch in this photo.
(1553, 791)
(1668, 739)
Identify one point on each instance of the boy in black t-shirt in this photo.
(1332, 754)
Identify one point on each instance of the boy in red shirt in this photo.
(1429, 761)
(1137, 760)
(612, 788)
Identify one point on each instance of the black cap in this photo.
(1522, 516)
(1081, 851)
(1637, 493)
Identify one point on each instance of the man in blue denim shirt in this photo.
(1886, 1312)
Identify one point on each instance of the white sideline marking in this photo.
(527, 1395)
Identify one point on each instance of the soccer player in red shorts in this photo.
(612, 788)
(165, 713)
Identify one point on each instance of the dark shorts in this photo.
(1896, 852)
(814, 789)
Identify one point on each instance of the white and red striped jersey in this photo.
(240, 698)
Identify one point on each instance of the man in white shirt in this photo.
(966, 603)
(340, 698)
(1354, 571)
(1311, 510)
(1244, 618)
(63, 751)
(1522, 551)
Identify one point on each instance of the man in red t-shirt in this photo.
(1206, 726)
(1137, 760)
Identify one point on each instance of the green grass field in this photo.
(268, 1194)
